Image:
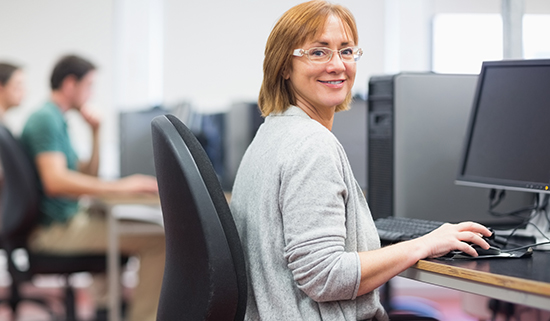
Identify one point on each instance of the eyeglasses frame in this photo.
(304, 52)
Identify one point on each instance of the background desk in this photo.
(522, 281)
(119, 227)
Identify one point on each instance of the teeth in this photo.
(334, 82)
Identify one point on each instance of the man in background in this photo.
(66, 227)
(12, 89)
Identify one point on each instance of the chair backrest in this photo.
(205, 274)
(19, 200)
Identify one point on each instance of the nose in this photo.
(336, 64)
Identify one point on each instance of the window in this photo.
(461, 42)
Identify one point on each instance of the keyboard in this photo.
(396, 229)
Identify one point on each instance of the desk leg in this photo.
(113, 268)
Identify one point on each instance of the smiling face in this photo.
(320, 87)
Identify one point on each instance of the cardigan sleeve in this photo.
(312, 199)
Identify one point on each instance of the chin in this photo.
(336, 102)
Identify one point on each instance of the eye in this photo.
(317, 52)
(346, 52)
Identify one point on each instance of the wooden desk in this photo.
(119, 227)
(523, 281)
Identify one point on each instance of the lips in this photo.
(332, 82)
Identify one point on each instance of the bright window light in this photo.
(461, 42)
(536, 28)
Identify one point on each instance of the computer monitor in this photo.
(506, 144)
(136, 145)
(242, 120)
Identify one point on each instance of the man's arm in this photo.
(58, 180)
(91, 167)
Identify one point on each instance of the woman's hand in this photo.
(450, 237)
(378, 266)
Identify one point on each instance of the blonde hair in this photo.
(299, 24)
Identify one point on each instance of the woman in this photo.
(11, 87)
(312, 249)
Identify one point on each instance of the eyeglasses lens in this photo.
(325, 54)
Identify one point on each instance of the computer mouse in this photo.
(492, 250)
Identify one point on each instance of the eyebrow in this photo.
(323, 43)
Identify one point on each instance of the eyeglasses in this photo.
(322, 54)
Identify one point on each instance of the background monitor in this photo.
(136, 143)
(242, 120)
(506, 144)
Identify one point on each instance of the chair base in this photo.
(15, 299)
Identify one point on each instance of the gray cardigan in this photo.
(302, 218)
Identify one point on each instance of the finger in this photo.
(474, 227)
(474, 238)
(468, 250)
(481, 242)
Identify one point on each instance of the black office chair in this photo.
(19, 214)
(204, 276)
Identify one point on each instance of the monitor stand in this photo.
(538, 226)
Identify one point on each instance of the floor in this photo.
(447, 302)
(449, 305)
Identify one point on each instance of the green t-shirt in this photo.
(46, 131)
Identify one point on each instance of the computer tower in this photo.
(350, 127)
(416, 128)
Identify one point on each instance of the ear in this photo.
(286, 73)
(69, 82)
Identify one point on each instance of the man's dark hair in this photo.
(70, 65)
(6, 70)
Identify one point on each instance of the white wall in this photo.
(211, 51)
(35, 34)
(214, 53)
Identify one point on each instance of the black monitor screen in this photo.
(508, 139)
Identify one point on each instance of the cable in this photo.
(541, 211)
(504, 240)
(536, 227)
(525, 247)
(492, 194)
(538, 208)
(501, 196)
